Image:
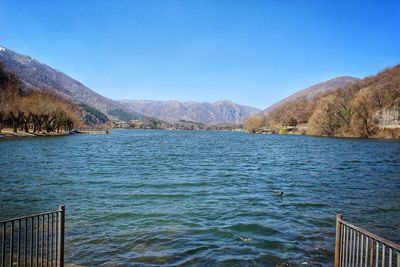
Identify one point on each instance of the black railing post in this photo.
(61, 233)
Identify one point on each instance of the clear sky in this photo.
(251, 52)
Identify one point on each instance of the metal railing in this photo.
(355, 246)
(36, 240)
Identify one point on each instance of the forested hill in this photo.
(315, 90)
(367, 108)
(36, 75)
(34, 110)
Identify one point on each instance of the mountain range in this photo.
(208, 113)
(36, 75)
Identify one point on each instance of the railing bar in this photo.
(371, 253)
(19, 244)
(378, 238)
(26, 242)
(342, 245)
(31, 250)
(37, 240)
(348, 258)
(42, 242)
(351, 248)
(347, 246)
(390, 256)
(383, 255)
(354, 248)
(398, 259)
(57, 239)
(337, 241)
(48, 240)
(23, 217)
(62, 229)
(52, 238)
(366, 251)
(12, 245)
(3, 246)
(377, 254)
(362, 249)
(357, 247)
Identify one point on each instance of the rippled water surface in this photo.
(180, 198)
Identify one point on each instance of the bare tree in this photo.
(254, 123)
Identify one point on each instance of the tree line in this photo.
(367, 108)
(33, 110)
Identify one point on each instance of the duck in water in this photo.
(278, 194)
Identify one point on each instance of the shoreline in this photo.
(381, 133)
(10, 134)
(373, 137)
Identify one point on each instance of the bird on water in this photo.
(278, 194)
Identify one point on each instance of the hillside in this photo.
(36, 111)
(36, 75)
(206, 113)
(366, 108)
(314, 90)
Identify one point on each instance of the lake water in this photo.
(179, 198)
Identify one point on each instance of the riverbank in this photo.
(9, 133)
(379, 133)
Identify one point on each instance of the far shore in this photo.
(9, 133)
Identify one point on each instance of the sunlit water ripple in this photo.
(179, 198)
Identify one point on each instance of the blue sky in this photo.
(251, 52)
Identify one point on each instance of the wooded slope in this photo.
(34, 110)
(367, 108)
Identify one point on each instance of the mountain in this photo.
(207, 113)
(36, 75)
(314, 90)
(369, 107)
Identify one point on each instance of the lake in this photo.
(187, 198)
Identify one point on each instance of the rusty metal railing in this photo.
(36, 240)
(355, 246)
